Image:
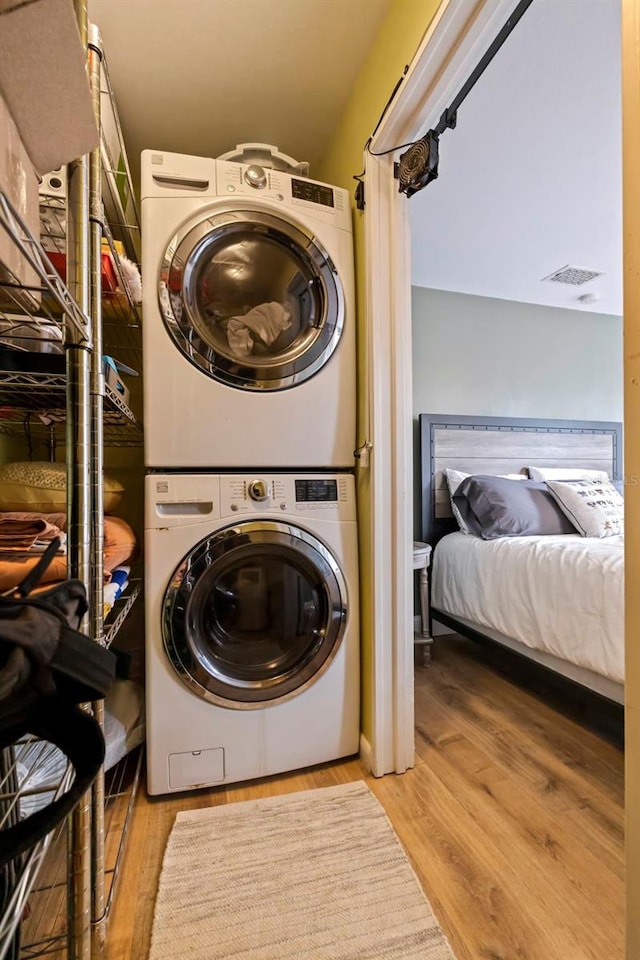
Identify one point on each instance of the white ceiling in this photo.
(530, 180)
(200, 76)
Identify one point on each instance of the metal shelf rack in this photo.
(67, 883)
(48, 303)
(37, 400)
(44, 930)
(121, 611)
(21, 769)
(121, 314)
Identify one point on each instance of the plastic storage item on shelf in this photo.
(30, 335)
(54, 184)
(112, 370)
(109, 277)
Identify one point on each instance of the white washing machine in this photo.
(249, 320)
(252, 643)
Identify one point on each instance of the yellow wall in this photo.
(631, 243)
(398, 40)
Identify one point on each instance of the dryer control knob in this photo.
(255, 177)
(259, 490)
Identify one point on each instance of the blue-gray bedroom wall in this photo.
(479, 355)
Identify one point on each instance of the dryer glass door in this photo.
(254, 614)
(252, 300)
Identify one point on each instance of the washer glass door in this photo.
(254, 614)
(251, 299)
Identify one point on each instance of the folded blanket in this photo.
(41, 545)
(24, 530)
(36, 549)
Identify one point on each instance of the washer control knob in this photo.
(256, 177)
(259, 491)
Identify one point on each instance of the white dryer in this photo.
(252, 643)
(249, 321)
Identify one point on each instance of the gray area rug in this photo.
(318, 875)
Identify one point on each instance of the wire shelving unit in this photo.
(61, 893)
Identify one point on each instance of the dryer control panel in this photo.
(310, 197)
(328, 497)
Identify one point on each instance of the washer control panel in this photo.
(328, 497)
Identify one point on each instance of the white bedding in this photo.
(562, 595)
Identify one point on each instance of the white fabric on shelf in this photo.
(124, 729)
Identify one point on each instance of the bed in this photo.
(557, 600)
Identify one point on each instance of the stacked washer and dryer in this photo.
(252, 649)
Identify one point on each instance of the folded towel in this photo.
(16, 554)
(17, 531)
(265, 323)
(41, 545)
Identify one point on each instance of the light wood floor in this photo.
(512, 818)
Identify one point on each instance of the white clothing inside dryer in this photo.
(265, 323)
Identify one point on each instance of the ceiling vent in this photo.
(574, 276)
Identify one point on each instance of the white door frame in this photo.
(459, 34)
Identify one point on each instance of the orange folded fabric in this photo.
(119, 546)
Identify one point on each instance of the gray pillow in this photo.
(495, 507)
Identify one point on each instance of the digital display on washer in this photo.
(314, 192)
(318, 491)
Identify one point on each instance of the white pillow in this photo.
(594, 507)
(563, 473)
(454, 479)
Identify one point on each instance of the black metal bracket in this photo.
(449, 116)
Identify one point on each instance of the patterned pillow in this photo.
(594, 507)
(41, 487)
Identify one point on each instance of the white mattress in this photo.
(563, 595)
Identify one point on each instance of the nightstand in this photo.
(421, 561)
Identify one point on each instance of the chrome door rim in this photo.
(253, 694)
(187, 247)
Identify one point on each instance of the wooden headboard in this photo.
(494, 445)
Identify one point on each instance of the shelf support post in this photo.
(96, 605)
(78, 454)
